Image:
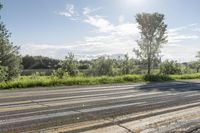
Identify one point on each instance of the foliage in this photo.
(127, 65)
(153, 78)
(102, 66)
(39, 62)
(196, 65)
(153, 34)
(35, 80)
(68, 66)
(9, 55)
(3, 73)
(198, 55)
(170, 67)
(186, 76)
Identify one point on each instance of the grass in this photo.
(36, 81)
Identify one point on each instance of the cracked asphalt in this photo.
(124, 108)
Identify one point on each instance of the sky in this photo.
(91, 28)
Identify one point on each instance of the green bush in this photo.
(68, 66)
(133, 78)
(170, 67)
(186, 76)
(153, 78)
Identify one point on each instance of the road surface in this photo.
(131, 108)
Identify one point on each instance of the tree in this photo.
(102, 66)
(3, 73)
(69, 65)
(127, 65)
(198, 55)
(170, 67)
(10, 60)
(39, 62)
(153, 35)
(196, 64)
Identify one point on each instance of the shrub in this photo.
(153, 78)
(69, 66)
(170, 67)
(102, 67)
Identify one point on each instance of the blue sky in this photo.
(91, 28)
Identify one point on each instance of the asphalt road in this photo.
(131, 108)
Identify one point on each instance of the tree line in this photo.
(106, 65)
(153, 34)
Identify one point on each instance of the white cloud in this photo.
(121, 19)
(177, 29)
(184, 33)
(125, 29)
(69, 12)
(104, 25)
(182, 45)
(180, 38)
(99, 22)
(118, 40)
(180, 52)
(87, 10)
(114, 39)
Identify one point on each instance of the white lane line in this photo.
(29, 118)
(78, 98)
(67, 92)
(38, 92)
(83, 102)
(59, 114)
(110, 107)
(195, 94)
(72, 98)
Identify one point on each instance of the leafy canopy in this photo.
(10, 60)
(152, 34)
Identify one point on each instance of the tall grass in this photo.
(36, 81)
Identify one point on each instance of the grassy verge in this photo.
(36, 81)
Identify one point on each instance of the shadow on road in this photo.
(179, 86)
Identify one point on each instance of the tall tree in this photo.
(10, 60)
(152, 35)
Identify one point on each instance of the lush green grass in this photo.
(35, 81)
(186, 76)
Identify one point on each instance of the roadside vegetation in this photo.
(33, 71)
(36, 80)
